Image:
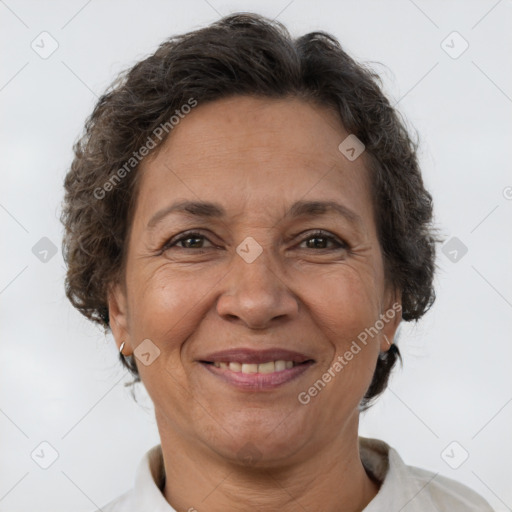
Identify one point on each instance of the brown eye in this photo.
(319, 242)
(197, 242)
(322, 239)
(190, 240)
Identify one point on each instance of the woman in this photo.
(246, 214)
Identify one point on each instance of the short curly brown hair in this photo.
(242, 54)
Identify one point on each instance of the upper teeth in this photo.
(269, 367)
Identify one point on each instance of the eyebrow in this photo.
(215, 210)
(316, 208)
(195, 208)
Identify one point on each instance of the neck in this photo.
(330, 479)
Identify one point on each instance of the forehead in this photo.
(254, 154)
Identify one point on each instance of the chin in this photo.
(265, 445)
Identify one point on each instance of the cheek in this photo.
(345, 299)
(167, 307)
(164, 310)
(344, 306)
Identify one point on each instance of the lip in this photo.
(251, 356)
(258, 381)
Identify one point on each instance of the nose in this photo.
(256, 295)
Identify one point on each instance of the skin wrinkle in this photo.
(312, 301)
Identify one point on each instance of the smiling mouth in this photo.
(262, 377)
(262, 368)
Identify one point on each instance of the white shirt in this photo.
(403, 488)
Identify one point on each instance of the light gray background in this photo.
(60, 380)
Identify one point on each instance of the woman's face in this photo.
(251, 275)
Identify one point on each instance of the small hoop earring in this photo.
(121, 348)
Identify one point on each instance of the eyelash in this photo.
(194, 234)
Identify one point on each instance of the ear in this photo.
(118, 317)
(391, 316)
